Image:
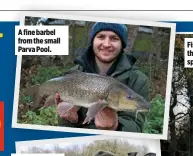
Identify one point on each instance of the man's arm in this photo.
(129, 122)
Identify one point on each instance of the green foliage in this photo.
(143, 45)
(78, 38)
(47, 116)
(46, 73)
(26, 99)
(143, 42)
(154, 122)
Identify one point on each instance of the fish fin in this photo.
(33, 92)
(71, 72)
(93, 110)
(50, 101)
(77, 107)
(63, 107)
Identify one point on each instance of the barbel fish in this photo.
(92, 91)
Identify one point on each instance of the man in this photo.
(105, 56)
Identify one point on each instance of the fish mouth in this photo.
(143, 108)
(143, 104)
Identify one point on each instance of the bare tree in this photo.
(132, 35)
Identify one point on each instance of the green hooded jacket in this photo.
(127, 74)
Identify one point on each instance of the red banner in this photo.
(1, 126)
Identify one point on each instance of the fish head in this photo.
(122, 98)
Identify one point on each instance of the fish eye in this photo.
(129, 97)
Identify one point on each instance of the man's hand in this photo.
(71, 115)
(106, 119)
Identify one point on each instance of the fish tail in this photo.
(31, 91)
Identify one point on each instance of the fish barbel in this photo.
(92, 91)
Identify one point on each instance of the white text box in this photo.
(41, 40)
(188, 52)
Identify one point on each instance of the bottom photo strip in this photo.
(99, 145)
(37, 154)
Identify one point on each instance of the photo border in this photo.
(162, 136)
(35, 154)
(83, 139)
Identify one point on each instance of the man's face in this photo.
(107, 46)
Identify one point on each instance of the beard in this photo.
(106, 60)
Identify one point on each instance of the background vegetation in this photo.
(180, 135)
(149, 45)
(118, 147)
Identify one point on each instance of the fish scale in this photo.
(88, 90)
